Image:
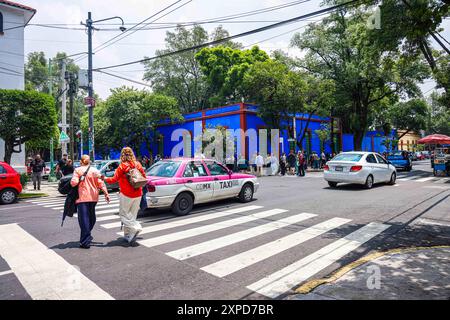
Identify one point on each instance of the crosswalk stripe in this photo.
(281, 281)
(43, 273)
(106, 218)
(40, 202)
(114, 203)
(425, 179)
(208, 228)
(107, 211)
(184, 221)
(214, 244)
(242, 260)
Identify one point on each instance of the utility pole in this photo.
(72, 80)
(90, 89)
(63, 104)
(90, 100)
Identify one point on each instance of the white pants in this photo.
(128, 211)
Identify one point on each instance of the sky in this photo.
(144, 42)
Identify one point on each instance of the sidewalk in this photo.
(408, 274)
(49, 188)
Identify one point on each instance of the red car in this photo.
(10, 185)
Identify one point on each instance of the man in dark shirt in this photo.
(61, 165)
(37, 166)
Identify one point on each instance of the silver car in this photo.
(365, 168)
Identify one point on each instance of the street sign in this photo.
(89, 101)
(63, 137)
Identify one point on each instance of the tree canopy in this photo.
(26, 116)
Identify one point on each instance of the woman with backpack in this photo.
(128, 173)
(88, 180)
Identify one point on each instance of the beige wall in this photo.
(409, 141)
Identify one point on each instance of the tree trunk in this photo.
(302, 137)
(357, 140)
(8, 152)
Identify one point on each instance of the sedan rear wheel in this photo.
(183, 204)
(8, 196)
(393, 178)
(332, 184)
(369, 182)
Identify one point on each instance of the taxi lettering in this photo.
(203, 186)
(228, 184)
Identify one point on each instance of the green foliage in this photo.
(324, 135)
(26, 116)
(179, 76)
(368, 76)
(225, 68)
(439, 116)
(24, 178)
(128, 117)
(410, 115)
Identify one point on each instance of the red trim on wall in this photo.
(203, 120)
(243, 125)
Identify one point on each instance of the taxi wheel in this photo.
(369, 182)
(246, 194)
(183, 204)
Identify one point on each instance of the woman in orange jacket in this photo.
(88, 192)
(130, 197)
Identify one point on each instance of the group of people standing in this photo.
(90, 181)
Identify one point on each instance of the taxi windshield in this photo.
(353, 157)
(163, 169)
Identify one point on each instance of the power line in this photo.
(132, 29)
(250, 32)
(124, 78)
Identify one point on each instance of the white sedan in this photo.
(365, 168)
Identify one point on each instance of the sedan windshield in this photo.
(353, 157)
(164, 169)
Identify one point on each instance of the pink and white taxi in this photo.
(182, 182)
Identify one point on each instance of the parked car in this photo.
(420, 155)
(401, 160)
(10, 185)
(181, 183)
(413, 156)
(365, 168)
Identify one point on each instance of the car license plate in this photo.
(339, 168)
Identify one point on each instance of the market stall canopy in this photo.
(435, 139)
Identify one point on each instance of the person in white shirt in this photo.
(274, 165)
(259, 161)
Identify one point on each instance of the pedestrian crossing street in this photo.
(221, 236)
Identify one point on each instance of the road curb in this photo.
(314, 283)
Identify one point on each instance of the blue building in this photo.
(250, 132)
(242, 119)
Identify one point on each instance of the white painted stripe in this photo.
(441, 180)
(44, 274)
(58, 206)
(436, 187)
(103, 211)
(208, 228)
(4, 273)
(424, 179)
(281, 281)
(47, 202)
(432, 222)
(214, 244)
(112, 204)
(184, 221)
(242, 260)
(106, 218)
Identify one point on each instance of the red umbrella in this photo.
(435, 139)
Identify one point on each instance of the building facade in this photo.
(248, 134)
(13, 19)
(409, 141)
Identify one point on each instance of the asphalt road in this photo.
(300, 230)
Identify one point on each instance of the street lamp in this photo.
(89, 25)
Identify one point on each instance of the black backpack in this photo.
(64, 186)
